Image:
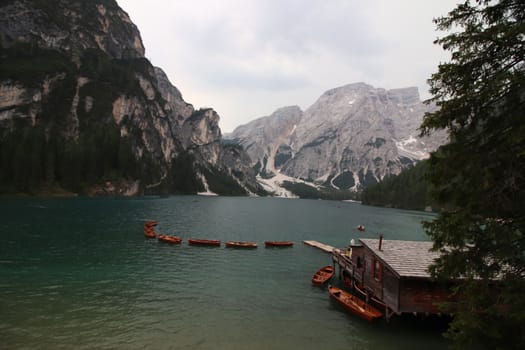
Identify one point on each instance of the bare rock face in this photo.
(266, 138)
(76, 86)
(201, 130)
(71, 26)
(352, 136)
(179, 109)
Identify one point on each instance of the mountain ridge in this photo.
(351, 136)
(83, 109)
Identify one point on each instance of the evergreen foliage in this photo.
(222, 183)
(480, 93)
(34, 157)
(30, 161)
(54, 13)
(345, 180)
(408, 190)
(309, 192)
(29, 64)
(184, 175)
(44, 144)
(367, 179)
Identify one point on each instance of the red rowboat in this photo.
(278, 244)
(323, 275)
(169, 239)
(354, 304)
(149, 229)
(204, 242)
(149, 234)
(151, 223)
(241, 244)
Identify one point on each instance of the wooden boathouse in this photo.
(393, 273)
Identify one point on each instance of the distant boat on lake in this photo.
(278, 243)
(204, 242)
(169, 239)
(149, 229)
(241, 244)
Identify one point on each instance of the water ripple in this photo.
(81, 275)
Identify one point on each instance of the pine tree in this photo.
(480, 93)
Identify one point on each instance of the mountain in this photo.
(82, 109)
(265, 139)
(351, 137)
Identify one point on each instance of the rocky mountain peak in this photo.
(71, 26)
(179, 109)
(267, 137)
(404, 96)
(352, 136)
(80, 105)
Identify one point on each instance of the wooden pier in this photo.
(324, 247)
(395, 273)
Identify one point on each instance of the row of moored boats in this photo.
(149, 232)
(349, 301)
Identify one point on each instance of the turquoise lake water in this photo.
(77, 273)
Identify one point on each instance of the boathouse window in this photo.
(377, 268)
(359, 262)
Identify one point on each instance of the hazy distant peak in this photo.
(405, 96)
(288, 110)
(283, 113)
(354, 87)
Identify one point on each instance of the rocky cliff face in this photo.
(71, 26)
(352, 136)
(80, 105)
(266, 139)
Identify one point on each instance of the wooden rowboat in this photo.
(278, 244)
(151, 223)
(369, 296)
(149, 233)
(323, 275)
(169, 239)
(362, 293)
(149, 229)
(241, 244)
(353, 304)
(204, 242)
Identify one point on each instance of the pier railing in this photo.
(341, 258)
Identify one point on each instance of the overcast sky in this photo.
(246, 58)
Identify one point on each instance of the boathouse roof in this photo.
(405, 258)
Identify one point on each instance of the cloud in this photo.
(247, 58)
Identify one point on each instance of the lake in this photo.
(78, 273)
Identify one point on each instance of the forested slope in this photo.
(408, 190)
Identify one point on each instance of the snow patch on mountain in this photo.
(274, 185)
(411, 148)
(350, 138)
(293, 130)
(207, 191)
(357, 183)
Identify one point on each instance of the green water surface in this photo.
(78, 273)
